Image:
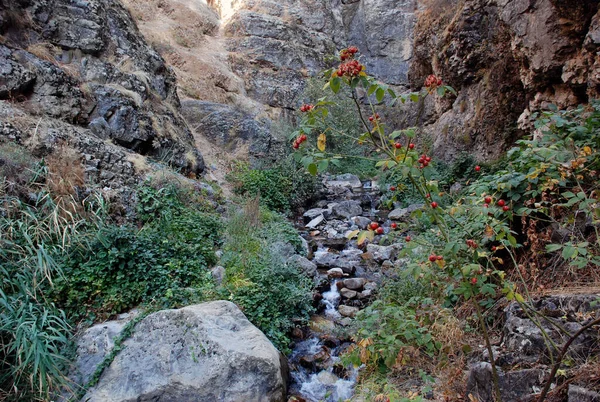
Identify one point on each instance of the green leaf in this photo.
(312, 169)
(569, 252)
(323, 165)
(379, 95)
(553, 247)
(335, 84)
(372, 89)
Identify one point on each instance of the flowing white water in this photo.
(331, 300)
(324, 385)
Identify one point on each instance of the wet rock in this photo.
(327, 378)
(319, 324)
(315, 222)
(317, 359)
(347, 293)
(365, 294)
(345, 180)
(348, 311)
(335, 273)
(580, 394)
(346, 321)
(347, 209)
(354, 283)
(208, 351)
(305, 266)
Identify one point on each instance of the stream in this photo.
(346, 283)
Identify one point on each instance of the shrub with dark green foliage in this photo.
(281, 187)
(274, 296)
(124, 266)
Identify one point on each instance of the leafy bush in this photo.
(281, 187)
(124, 266)
(274, 296)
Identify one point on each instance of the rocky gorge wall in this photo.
(80, 74)
(506, 58)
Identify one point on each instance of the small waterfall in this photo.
(331, 300)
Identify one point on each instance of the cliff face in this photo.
(507, 59)
(81, 74)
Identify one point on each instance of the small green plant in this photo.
(274, 295)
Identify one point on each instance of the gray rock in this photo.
(325, 259)
(347, 293)
(335, 273)
(382, 253)
(92, 347)
(282, 250)
(355, 283)
(304, 265)
(346, 180)
(312, 214)
(455, 188)
(514, 385)
(206, 352)
(404, 213)
(228, 127)
(218, 274)
(314, 223)
(580, 394)
(14, 78)
(361, 221)
(347, 209)
(348, 311)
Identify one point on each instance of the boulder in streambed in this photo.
(202, 353)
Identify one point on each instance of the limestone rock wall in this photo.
(84, 69)
(507, 59)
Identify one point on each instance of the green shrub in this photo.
(282, 187)
(274, 296)
(124, 266)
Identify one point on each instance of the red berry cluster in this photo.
(350, 68)
(434, 258)
(373, 118)
(347, 54)
(306, 108)
(432, 81)
(299, 141)
(375, 226)
(424, 160)
(471, 243)
(501, 203)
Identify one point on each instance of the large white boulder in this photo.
(202, 353)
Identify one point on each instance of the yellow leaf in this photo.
(587, 150)
(489, 232)
(321, 142)
(352, 234)
(519, 298)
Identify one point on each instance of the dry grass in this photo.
(134, 96)
(252, 212)
(66, 174)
